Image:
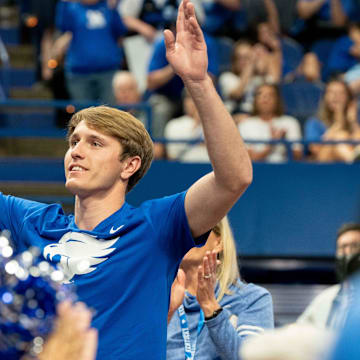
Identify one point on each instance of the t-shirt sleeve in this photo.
(158, 56)
(170, 222)
(13, 213)
(118, 25)
(314, 130)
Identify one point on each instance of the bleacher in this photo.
(32, 147)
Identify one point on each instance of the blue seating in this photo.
(292, 54)
(301, 98)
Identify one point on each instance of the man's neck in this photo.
(92, 210)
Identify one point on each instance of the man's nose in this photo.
(77, 152)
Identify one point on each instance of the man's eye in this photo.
(96, 144)
(73, 142)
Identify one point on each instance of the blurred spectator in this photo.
(232, 18)
(292, 342)
(308, 70)
(186, 127)
(251, 67)
(287, 50)
(347, 345)
(328, 309)
(166, 88)
(320, 19)
(336, 120)
(147, 17)
(269, 123)
(93, 55)
(126, 92)
(346, 52)
(302, 89)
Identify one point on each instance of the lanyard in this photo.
(190, 347)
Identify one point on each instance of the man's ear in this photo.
(130, 166)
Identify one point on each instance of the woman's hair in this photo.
(279, 106)
(324, 113)
(228, 270)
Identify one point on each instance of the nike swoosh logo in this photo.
(113, 231)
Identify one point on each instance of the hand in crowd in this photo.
(206, 284)
(177, 293)
(72, 339)
(186, 52)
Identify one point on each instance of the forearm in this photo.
(224, 336)
(338, 16)
(227, 152)
(230, 4)
(272, 14)
(307, 9)
(158, 78)
(140, 27)
(260, 155)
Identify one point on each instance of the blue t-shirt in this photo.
(314, 129)
(324, 13)
(340, 59)
(133, 255)
(248, 310)
(173, 89)
(95, 30)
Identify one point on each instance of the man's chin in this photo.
(74, 187)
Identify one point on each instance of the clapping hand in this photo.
(206, 284)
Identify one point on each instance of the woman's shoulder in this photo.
(248, 291)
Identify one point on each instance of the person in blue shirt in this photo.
(93, 55)
(336, 120)
(218, 310)
(123, 259)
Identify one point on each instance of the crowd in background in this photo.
(287, 70)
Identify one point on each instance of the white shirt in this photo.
(185, 128)
(254, 128)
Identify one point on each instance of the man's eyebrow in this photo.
(96, 137)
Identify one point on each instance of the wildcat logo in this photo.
(95, 19)
(78, 253)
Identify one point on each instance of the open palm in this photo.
(186, 52)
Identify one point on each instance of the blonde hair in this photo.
(324, 113)
(128, 130)
(228, 271)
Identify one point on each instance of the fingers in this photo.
(192, 24)
(90, 342)
(181, 277)
(169, 40)
(180, 21)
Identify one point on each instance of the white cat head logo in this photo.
(79, 253)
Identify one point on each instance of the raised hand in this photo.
(186, 50)
(206, 284)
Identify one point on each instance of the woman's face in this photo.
(196, 254)
(336, 96)
(242, 57)
(266, 99)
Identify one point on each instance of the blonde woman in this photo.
(336, 120)
(218, 310)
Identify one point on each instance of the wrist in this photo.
(209, 308)
(214, 314)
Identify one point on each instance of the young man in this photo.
(122, 259)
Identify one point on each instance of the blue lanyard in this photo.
(190, 347)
